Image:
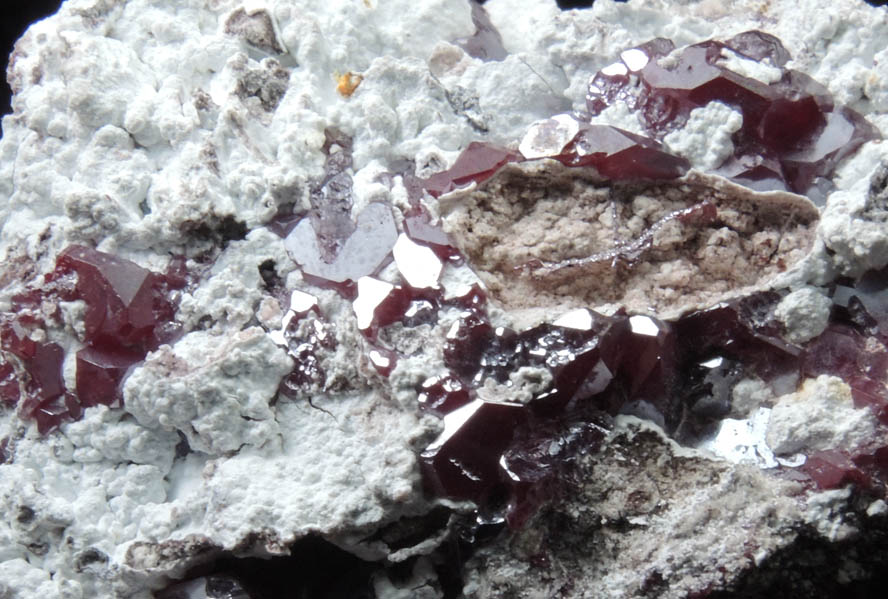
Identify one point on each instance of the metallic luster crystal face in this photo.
(128, 311)
(793, 134)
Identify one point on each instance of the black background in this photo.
(13, 22)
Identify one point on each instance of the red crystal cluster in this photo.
(679, 374)
(793, 134)
(618, 155)
(303, 344)
(506, 455)
(127, 313)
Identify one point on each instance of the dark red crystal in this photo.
(125, 303)
(539, 455)
(128, 312)
(44, 387)
(100, 374)
(443, 394)
(464, 463)
(478, 162)
(382, 359)
(304, 344)
(418, 227)
(833, 469)
(793, 135)
(621, 155)
(9, 386)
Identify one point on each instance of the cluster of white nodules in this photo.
(705, 140)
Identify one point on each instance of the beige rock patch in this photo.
(541, 234)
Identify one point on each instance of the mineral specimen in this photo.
(443, 326)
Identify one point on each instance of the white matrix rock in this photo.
(150, 129)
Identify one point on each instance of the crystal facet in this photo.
(479, 161)
(128, 312)
(793, 135)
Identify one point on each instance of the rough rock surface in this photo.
(159, 130)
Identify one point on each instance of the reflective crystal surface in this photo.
(505, 455)
(486, 43)
(616, 154)
(793, 134)
(129, 311)
(479, 161)
(361, 253)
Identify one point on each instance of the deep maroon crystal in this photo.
(871, 290)
(304, 345)
(759, 46)
(44, 387)
(9, 387)
(100, 374)
(478, 162)
(833, 469)
(382, 359)
(125, 303)
(861, 361)
(744, 330)
(680, 372)
(615, 153)
(464, 463)
(128, 312)
(793, 135)
(418, 227)
(621, 155)
(443, 394)
(535, 460)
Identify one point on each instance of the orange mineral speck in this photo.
(347, 84)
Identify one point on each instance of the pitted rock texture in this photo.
(542, 235)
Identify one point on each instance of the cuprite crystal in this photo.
(793, 134)
(463, 462)
(478, 162)
(9, 387)
(128, 312)
(303, 334)
(44, 388)
(420, 266)
(832, 469)
(679, 373)
(362, 253)
(538, 456)
(100, 373)
(860, 360)
(332, 197)
(443, 394)
(126, 305)
(486, 43)
(615, 153)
